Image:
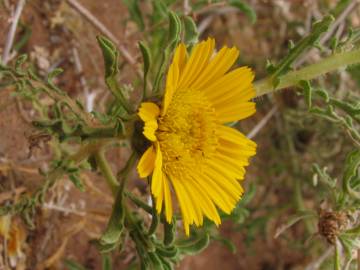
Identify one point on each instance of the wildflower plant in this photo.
(183, 140)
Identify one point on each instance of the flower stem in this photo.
(106, 171)
(337, 263)
(324, 66)
(138, 202)
(112, 181)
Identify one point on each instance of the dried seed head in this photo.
(331, 224)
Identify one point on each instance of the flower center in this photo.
(187, 132)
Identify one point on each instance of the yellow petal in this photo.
(227, 183)
(169, 92)
(157, 177)
(236, 167)
(147, 162)
(160, 197)
(236, 137)
(148, 111)
(223, 189)
(234, 86)
(207, 205)
(150, 128)
(185, 204)
(168, 201)
(216, 193)
(239, 153)
(174, 72)
(198, 61)
(180, 57)
(217, 67)
(197, 214)
(226, 175)
(235, 111)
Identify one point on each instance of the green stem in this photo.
(337, 262)
(138, 202)
(106, 171)
(322, 67)
(124, 172)
(130, 222)
(113, 182)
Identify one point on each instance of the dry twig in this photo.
(11, 194)
(11, 34)
(89, 96)
(60, 251)
(187, 7)
(102, 28)
(262, 123)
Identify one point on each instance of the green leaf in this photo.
(193, 246)
(350, 243)
(169, 232)
(270, 67)
(104, 248)
(173, 39)
(160, 11)
(166, 265)
(52, 74)
(353, 232)
(72, 265)
(154, 219)
(334, 42)
(111, 63)
(352, 164)
(291, 44)
(245, 8)
(324, 176)
(147, 63)
(168, 252)
(75, 179)
(323, 94)
(318, 29)
(239, 215)
(155, 261)
(226, 242)
(249, 195)
(307, 90)
(110, 55)
(116, 223)
(191, 33)
(135, 12)
(20, 61)
(351, 40)
(352, 109)
(174, 29)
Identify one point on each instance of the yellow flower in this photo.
(193, 153)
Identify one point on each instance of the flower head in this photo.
(193, 153)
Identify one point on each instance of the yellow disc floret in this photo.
(187, 133)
